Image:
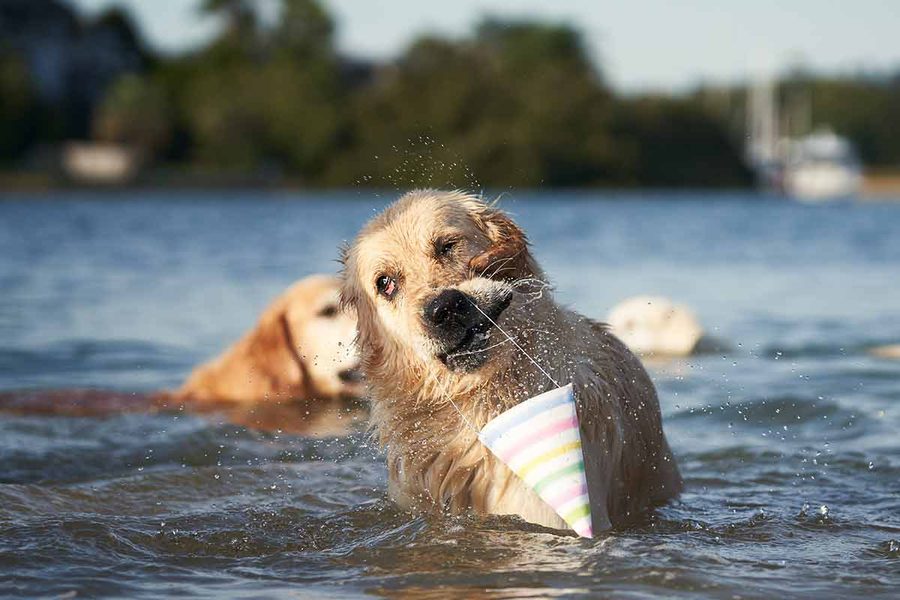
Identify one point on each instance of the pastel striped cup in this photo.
(540, 441)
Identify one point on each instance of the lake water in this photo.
(789, 441)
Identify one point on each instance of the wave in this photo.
(776, 410)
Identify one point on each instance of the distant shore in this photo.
(881, 185)
(878, 185)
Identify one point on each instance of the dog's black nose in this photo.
(449, 306)
(460, 326)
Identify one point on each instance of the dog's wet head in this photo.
(432, 279)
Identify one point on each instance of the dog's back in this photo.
(620, 415)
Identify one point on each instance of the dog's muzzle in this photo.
(461, 325)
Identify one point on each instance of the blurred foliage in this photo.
(491, 110)
(265, 98)
(17, 107)
(868, 112)
(674, 142)
(516, 103)
(135, 111)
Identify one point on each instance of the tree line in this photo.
(514, 103)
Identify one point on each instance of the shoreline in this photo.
(878, 186)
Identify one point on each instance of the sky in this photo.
(640, 45)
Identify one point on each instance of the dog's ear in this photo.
(263, 365)
(274, 357)
(508, 257)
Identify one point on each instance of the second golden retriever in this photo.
(301, 348)
(429, 278)
(294, 371)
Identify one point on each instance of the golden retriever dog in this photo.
(302, 348)
(296, 371)
(434, 279)
(654, 326)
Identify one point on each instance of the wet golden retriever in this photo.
(301, 348)
(295, 371)
(428, 278)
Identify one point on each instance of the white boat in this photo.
(821, 166)
(815, 167)
(98, 164)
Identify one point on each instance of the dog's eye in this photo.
(329, 311)
(386, 286)
(444, 248)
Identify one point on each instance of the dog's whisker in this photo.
(490, 265)
(502, 262)
(531, 281)
(509, 258)
(522, 280)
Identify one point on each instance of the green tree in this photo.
(277, 106)
(517, 104)
(305, 30)
(563, 108)
(136, 112)
(674, 142)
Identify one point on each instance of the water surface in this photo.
(788, 441)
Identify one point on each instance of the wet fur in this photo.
(435, 461)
